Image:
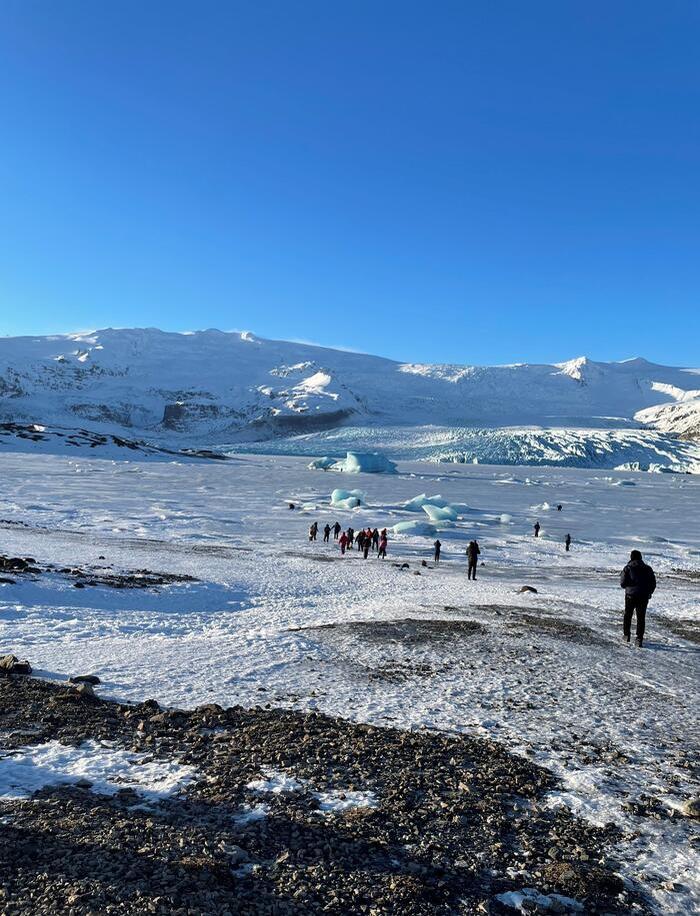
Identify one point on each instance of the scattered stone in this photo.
(443, 835)
(526, 588)
(92, 679)
(691, 808)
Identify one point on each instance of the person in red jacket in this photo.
(343, 542)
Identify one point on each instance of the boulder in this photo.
(10, 664)
(526, 588)
(691, 808)
(16, 564)
(91, 679)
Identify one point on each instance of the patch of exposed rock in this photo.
(456, 821)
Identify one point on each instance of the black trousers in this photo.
(635, 604)
(471, 571)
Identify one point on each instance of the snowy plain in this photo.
(275, 619)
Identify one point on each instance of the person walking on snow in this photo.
(313, 531)
(382, 546)
(375, 539)
(336, 531)
(326, 534)
(343, 542)
(473, 552)
(366, 546)
(567, 542)
(537, 529)
(436, 556)
(360, 539)
(351, 536)
(639, 583)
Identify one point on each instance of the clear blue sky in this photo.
(476, 182)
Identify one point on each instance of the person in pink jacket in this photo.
(343, 542)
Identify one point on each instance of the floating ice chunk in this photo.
(347, 499)
(322, 464)
(541, 507)
(423, 529)
(352, 502)
(440, 514)
(417, 503)
(366, 463)
(506, 519)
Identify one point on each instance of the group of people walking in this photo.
(366, 540)
(637, 578)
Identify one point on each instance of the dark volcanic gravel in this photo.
(458, 820)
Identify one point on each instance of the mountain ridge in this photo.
(214, 385)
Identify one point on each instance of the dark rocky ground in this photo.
(459, 820)
(104, 576)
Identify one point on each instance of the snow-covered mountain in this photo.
(214, 387)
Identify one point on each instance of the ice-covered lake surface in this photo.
(275, 619)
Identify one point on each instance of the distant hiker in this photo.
(567, 542)
(382, 546)
(367, 543)
(313, 531)
(351, 537)
(537, 527)
(336, 531)
(291, 505)
(326, 534)
(343, 542)
(559, 507)
(375, 539)
(436, 556)
(473, 552)
(639, 583)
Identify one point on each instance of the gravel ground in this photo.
(457, 822)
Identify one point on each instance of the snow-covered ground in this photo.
(274, 619)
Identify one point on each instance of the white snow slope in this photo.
(216, 387)
(275, 619)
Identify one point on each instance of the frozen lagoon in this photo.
(275, 619)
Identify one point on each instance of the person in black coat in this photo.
(473, 552)
(567, 542)
(639, 583)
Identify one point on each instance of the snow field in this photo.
(276, 619)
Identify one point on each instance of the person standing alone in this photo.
(473, 552)
(436, 556)
(639, 583)
(567, 542)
